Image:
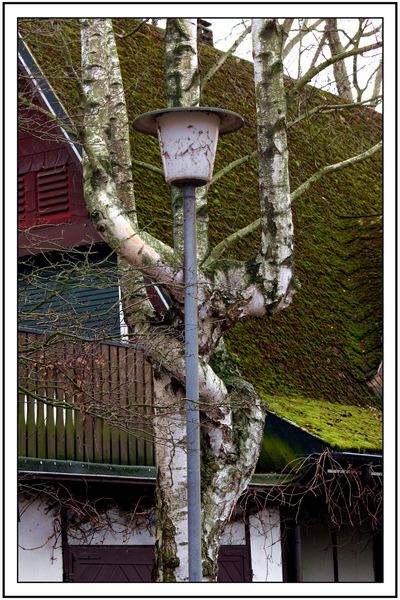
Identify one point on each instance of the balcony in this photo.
(83, 406)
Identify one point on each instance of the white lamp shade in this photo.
(188, 142)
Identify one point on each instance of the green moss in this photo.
(343, 427)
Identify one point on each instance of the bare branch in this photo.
(49, 115)
(149, 167)
(335, 167)
(295, 40)
(327, 108)
(132, 31)
(232, 165)
(327, 63)
(223, 58)
(229, 241)
(318, 50)
(287, 25)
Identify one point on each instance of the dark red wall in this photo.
(51, 208)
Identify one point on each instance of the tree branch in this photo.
(335, 167)
(229, 241)
(108, 214)
(327, 108)
(56, 120)
(295, 40)
(378, 80)
(339, 67)
(318, 50)
(286, 26)
(327, 63)
(276, 247)
(148, 166)
(232, 165)
(223, 58)
(119, 139)
(132, 31)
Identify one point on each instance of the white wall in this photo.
(265, 543)
(316, 552)
(138, 533)
(39, 544)
(40, 552)
(122, 531)
(355, 556)
(234, 534)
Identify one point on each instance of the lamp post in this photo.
(188, 141)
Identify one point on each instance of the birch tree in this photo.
(232, 415)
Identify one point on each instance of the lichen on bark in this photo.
(276, 248)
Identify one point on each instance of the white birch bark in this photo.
(183, 90)
(276, 219)
(171, 549)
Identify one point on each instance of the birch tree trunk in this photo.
(276, 251)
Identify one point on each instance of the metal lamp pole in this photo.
(188, 140)
(192, 384)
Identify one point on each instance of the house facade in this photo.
(86, 463)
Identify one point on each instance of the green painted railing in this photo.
(84, 401)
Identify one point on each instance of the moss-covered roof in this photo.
(310, 362)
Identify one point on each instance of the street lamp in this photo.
(188, 141)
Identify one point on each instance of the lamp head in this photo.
(188, 140)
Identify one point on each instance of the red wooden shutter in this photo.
(21, 201)
(26, 200)
(52, 194)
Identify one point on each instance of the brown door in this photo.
(234, 564)
(108, 564)
(133, 564)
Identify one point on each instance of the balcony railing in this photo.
(84, 401)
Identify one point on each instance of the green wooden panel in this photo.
(70, 378)
(94, 387)
(123, 398)
(139, 398)
(148, 410)
(116, 402)
(60, 427)
(72, 294)
(21, 444)
(106, 404)
(50, 422)
(132, 400)
(36, 465)
(40, 419)
(80, 435)
(21, 437)
(89, 438)
(32, 382)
